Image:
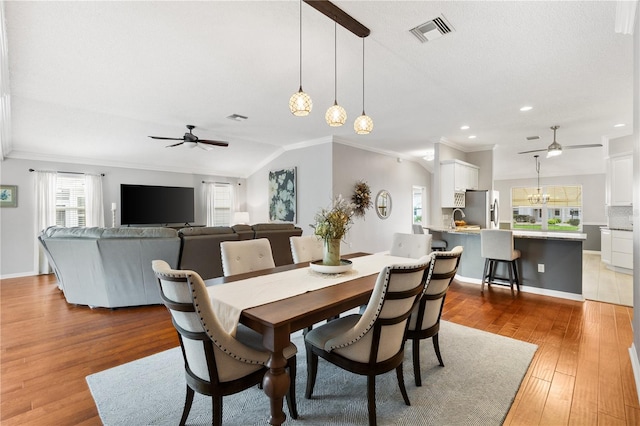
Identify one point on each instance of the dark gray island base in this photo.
(560, 253)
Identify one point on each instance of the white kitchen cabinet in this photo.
(622, 249)
(605, 245)
(621, 180)
(455, 178)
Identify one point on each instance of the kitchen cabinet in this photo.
(622, 249)
(605, 245)
(455, 178)
(621, 180)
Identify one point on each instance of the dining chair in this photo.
(436, 245)
(424, 322)
(410, 245)
(239, 257)
(216, 363)
(306, 248)
(496, 246)
(371, 343)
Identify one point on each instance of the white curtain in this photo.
(45, 211)
(94, 209)
(209, 197)
(5, 98)
(625, 16)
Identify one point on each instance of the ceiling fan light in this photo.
(190, 144)
(363, 124)
(300, 103)
(336, 115)
(554, 150)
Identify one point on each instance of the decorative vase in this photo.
(331, 255)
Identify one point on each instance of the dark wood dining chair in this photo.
(354, 342)
(215, 362)
(424, 322)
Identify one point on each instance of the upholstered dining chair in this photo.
(496, 246)
(371, 343)
(424, 322)
(239, 257)
(216, 363)
(410, 245)
(306, 248)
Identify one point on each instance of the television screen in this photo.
(151, 205)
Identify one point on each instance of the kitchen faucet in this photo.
(453, 217)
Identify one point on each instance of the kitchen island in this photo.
(559, 252)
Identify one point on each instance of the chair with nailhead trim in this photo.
(371, 343)
(239, 257)
(216, 363)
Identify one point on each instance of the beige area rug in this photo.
(480, 379)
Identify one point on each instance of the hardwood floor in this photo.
(580, 375)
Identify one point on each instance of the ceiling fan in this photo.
(191, 140)
(555, 148)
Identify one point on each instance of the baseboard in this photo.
(635, 365)
(592, 252)
(529, 289)
(18, 275)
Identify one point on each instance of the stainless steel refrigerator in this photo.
(481, 208)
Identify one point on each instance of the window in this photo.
(562, 213)
(219, 201)
(70, 200)
(418, 204)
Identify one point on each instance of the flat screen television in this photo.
(156, 205)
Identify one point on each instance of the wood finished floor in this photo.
(580, 375)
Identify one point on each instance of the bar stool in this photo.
(496, 245)
(436, 245)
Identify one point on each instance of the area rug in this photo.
(482, 374)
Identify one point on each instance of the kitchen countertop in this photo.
(617, 229)
(541, 235)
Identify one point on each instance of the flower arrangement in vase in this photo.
(332, 224)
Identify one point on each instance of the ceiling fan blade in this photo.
(175, 144)
(592, 145)
(203, 146)
(534, 150)
(162, 137)
(216, 143)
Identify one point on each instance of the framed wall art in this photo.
(282, 195)
(8, 196)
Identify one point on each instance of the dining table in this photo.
(279, 301)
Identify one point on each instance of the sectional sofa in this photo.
(111, 267)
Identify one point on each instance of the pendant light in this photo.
(363, 124)
(336, 115)
(538, 198)
(300, 103)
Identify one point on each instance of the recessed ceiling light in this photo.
(526, 108)
(465, 127)
(472, 137)
(619, 125)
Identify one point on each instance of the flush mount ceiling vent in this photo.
(432, 30)
(533, 138)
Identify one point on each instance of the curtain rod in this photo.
(58, 171)
(218, 183)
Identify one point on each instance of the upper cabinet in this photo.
(455, 178)
(621, 180)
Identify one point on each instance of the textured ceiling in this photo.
(91, 80)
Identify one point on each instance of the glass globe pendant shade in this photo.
(300, 103)
(363, 124)
(336, 115)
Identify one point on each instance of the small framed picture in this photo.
(8, 196)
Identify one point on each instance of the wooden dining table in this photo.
(277, 320)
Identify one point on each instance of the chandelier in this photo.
(538, 198)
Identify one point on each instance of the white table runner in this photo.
(230, 299)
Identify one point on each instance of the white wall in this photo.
(372, 234)
(313, 186)
(17, 228)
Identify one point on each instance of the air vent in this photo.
(237, 117)
(533, 138)
(432, 30)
